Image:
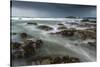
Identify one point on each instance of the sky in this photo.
(50, 10)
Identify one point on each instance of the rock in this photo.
(45, 27)
(23, 35)
(73, 60)
(65, 59)
(93, 44)
(73, 23)
(61, 24)
(39, 43)
(31, 23)
(18, 54)
(57, 60)
(62, 27)
(15, 45)
(13, 33)
(86, 34)
(29, 49)
(45, 61)
(67, 33)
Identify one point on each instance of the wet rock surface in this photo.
(30, 23)
(45, 27)
(56, 60)
(62, 27)
(60, 24)
(23, 35)
(93, 44)
(86, 34)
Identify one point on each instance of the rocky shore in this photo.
(30, 46)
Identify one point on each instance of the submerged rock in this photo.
(92, 44)
(23, 35)
(14, 33)
(45, 27)
(61, 24)
(62, 27)
(32, 23)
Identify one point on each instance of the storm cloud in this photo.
(38, 9)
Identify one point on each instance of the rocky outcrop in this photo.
(26, 49)
(57, 59)
(65, 32)
(45, 27)
(86, 34)
(29, 49)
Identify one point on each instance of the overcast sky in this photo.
(37, 9)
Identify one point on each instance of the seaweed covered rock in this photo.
(67, 33)
(45, 27)
(32, 23)
(86, 34)
(29, 49)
